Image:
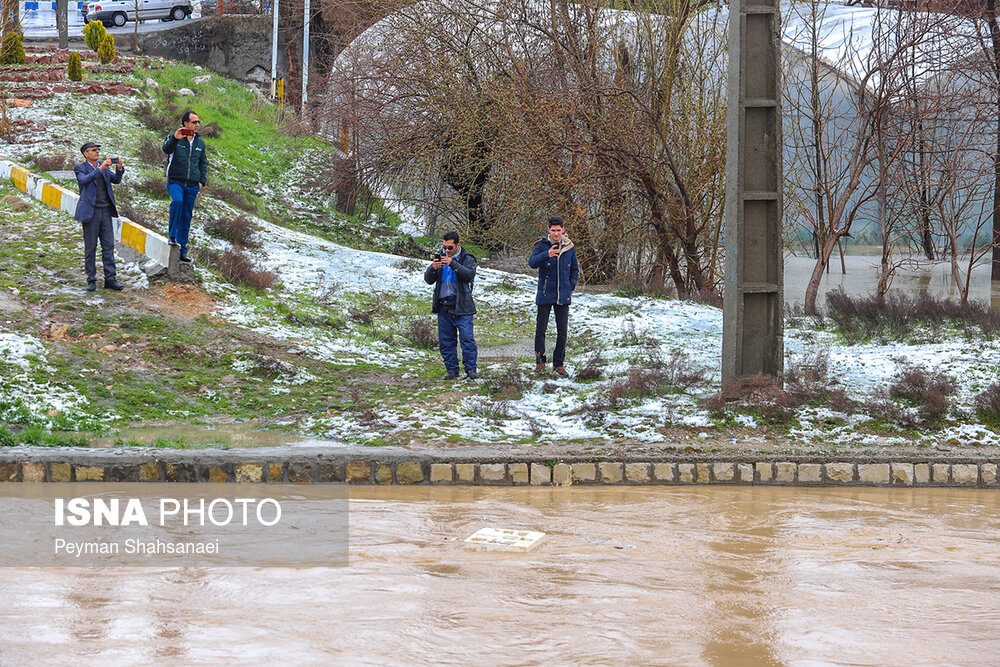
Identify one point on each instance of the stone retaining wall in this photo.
(358, 468)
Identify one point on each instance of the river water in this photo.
(628, 575)
(861, 278)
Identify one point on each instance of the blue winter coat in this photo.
(464, 266)
(557, 275)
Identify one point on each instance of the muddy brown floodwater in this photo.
(692, 576)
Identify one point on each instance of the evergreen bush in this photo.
(106, 49)
(93, 34)
(75, 68)
(12, 49)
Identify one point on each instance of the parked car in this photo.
(119, 12)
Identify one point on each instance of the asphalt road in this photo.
(42, 23)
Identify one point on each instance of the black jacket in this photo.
(464, 266)
(188, 163)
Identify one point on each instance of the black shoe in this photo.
(451, 376)
(172, 241)
(185, 258)
(113, 284)
(472, 375)
(91, 286)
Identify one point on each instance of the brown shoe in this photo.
(561, 372)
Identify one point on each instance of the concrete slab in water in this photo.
(504, 539)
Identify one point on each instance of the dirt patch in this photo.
(183, 302)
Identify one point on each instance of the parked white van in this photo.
(118, 12)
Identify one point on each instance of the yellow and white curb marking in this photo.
(142, 240)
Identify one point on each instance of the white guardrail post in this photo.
(144, 241)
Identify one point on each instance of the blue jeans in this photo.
(181, 207)
(450, 329)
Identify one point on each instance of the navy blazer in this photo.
(89, 178)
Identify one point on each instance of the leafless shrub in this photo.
(362, 407)
(495, 411)
(315, 321)
(681, 372)
(422, 334)
(296, 127)
(631, 337)
(361, 316)
(238, 268)
(774, 405)
(809, 381)
(411, 264)
(929, 392)
(897, 316)
(593, 368)
(153, 186)
(509, 383)
(52, 162)
(240, 231)
(987, 404)
(151, 151)
(159, 118)
(230, 196)
(210, 130)
(271, 367)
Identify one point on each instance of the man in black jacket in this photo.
(452, 274)
(187, 174)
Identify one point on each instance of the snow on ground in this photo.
(27, 395)
(623, 328)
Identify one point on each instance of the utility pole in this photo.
(753, 295)
(274, 48)
(305, 59)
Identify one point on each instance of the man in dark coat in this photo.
(452, 274)
(94, 209)
(187, 174)
(555, 258)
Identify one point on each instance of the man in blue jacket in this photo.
(187, 174)
(555, 258)
(452, 274)
(94, 209)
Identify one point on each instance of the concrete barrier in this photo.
(152, 246)
(360, 466)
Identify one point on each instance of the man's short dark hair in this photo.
(451, 236)
(556, 220)
(187, 115)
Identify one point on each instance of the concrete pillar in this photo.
(753, 294)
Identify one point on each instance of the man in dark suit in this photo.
(95, 209)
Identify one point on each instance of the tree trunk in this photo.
(62, 23)
(812, 289)
(991, 17)
(925, 207)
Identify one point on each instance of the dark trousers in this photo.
(542, 323)
(99, 228)
(181, 207)
(451, 328)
